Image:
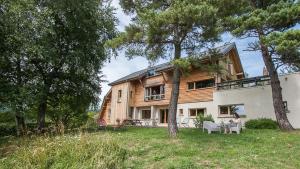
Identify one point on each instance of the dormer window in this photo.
(151, 73)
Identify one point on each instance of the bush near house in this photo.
(262, 123)
(201, 118)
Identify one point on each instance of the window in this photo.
(151, 73)
(196, 112)
(155, 93)
(229, 110)
(119, 95)
(109, 114)
(180, 112)
(201, 84)
(131, 94)
(146, 114)
(191, 85)
(230, 68)
(286, 106)
(130, 114)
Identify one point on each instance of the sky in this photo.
(121, 66)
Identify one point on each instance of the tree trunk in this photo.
(20, 124)
(41, 114)
(172, 123)
(278, 104)
(43, 107)
(19, 117)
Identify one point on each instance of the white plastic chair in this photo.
(185, 122)
(236, 129)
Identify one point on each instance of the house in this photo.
(145, 94)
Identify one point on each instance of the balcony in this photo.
(154, 93)
(155, 97)
(244, 83)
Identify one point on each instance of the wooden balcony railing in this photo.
(155, 97)
(244, 83)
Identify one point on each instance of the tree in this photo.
(15, 89)
(260, 19)
(60, 48)
(169, 28)
(68, 48)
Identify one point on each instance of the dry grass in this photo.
(151, 148)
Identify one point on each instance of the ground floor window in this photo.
(180, 112)
(286, 106)
(229, 110)
(193, 113)
(146, 114)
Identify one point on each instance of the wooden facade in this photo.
(133, 91)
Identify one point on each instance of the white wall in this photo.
(257, 101)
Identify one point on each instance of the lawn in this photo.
(151, 148)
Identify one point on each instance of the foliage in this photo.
(7, 129)
(7, 117)
(286, 45)
(201, 118)
(263, 19)
(156, 29)
(70, 151)
(166, 29)
(152, 148)
(262, 123)
(52, 55)
(270, 23)
(91, 121)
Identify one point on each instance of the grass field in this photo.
(151, 148)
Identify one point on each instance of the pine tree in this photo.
(169, 28)
(260, 19)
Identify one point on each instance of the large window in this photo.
(201, 84)
(146, 114)
(229, 110)
(155, 93)
(195, 112)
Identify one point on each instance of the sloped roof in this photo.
(136, 75)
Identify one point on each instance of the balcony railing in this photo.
(244, 83)
(155, 97)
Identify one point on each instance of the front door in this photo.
(163, 114)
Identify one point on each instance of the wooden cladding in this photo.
(185, 95)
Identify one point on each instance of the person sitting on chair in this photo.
(233, 122)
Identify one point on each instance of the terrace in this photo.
(244, 83)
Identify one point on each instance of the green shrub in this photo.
(262, 123)
(79, 151)
(7, 117)
(7, 129)
(201, 118)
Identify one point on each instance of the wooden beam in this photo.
(164, 77)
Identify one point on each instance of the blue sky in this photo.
(118, 67)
